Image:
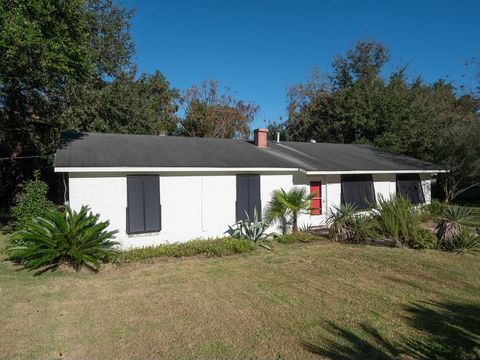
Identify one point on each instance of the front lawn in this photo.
(298, 301)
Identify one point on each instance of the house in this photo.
(159, 189)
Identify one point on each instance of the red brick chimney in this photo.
(260, 137)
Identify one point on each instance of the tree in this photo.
(49, 47)
(275, 128)
(355, 104)
(115, 99)
(146, 105)
(459, 151)
(44, 45)
(208, 113)
(285, 207)
(67, 65)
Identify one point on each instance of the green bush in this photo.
(215, 247)
(32, 202)
(397, 219)
(298, 237)
(434, 209)
(78, 239)
(424, 239)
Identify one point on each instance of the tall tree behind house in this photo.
(356, 104)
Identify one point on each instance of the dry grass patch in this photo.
(296, 302)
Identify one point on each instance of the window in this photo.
(410, 186)
(358, 190)
(316, 203)
(143, 204)
(248, 196)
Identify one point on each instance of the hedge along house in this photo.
(159, 189)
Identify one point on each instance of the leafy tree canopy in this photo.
(68, 65)
(143, 105)
(356, 104)
(209, 113)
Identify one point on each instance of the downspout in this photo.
(65, 190)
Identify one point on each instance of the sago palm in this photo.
(285, 207)
(75, 238)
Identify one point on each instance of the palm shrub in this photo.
(397, 219)
(75, 238)
(251, 229)
(467, 242)
(285, 207)
(451, 224)
(339, 222)
(361, 228)
(276, 212)
(346, 224)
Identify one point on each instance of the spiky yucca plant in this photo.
(339, 222)
(451, 224)
(75, 238)
(396, 218)
(467, 242)
(346, 224)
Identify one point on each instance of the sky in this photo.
(259, 48)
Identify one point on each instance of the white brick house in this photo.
(156, 189)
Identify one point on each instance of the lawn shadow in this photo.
(452, 330)
(440, 330)
(351, 346)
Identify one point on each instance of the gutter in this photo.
(129, 169)
(314, 172)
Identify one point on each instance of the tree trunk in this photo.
(284, 225)
(294, 222)
(15, 123)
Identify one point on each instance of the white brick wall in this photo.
(200, 206)
(385, 185)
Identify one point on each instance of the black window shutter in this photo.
(135, 212)
(143, 204)
(151, 191)
(358, 190)
(410, 186)
(254, 200)
(248, 196)
(242, 196)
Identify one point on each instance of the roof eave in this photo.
(339, 172)
(130, 169)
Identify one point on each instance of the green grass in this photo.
(299, 301)
(299, 237)
(215, 247)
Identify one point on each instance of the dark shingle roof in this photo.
(118, 150)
